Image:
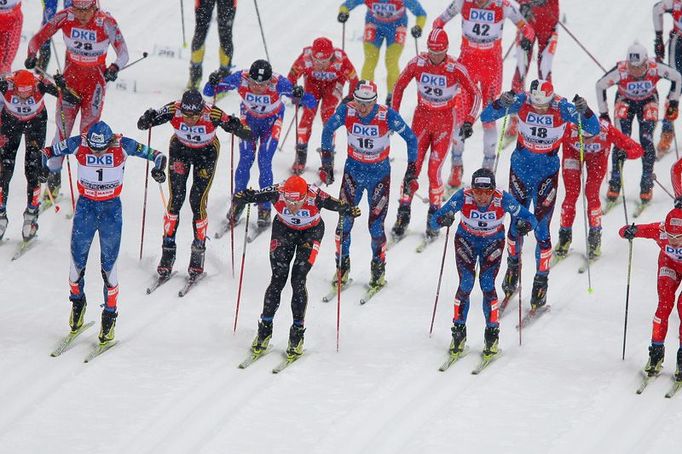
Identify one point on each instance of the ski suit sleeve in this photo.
(632, 149)
(164, 114)
(134, 148)
(651, 231)
(297, 70)
(450, 12)
(326, 201)
(516, 210)
(46, 86)
(416, 8)
(406, 75)
(658, 10)
(589, 121)
(117, 41)
(511, 11)
(334, 123)
(673, 75)
(348, 5)
(228, 83)
(269, 194)
(349, 73)
(609, 79)
(46, 32)
(453, 205)
(285, 87)
(676, 177)
(494, 111)
(473, 93)
(68, 146)
(397, 124)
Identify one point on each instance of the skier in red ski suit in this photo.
(11, 20)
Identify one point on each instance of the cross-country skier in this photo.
(101, 157)
(11, 20)
(480, 240)
(676, 178)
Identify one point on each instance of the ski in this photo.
(371, 292)
(453, 358)
(159, 281)
(67, 340)
(609, 205)
(532, 316)
(189, 284)
(646, 379)
(486, 360)
(333, 292)
(395, 239)
(224, 228)
(286, 362)
(640, 209)
(253, 357)
(677, 384)
(99, 349)
(256, 232)
(23, 247)
(426, 240)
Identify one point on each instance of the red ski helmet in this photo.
(541, 92)
(295, 189)
(673, 222)
(24, 81)
(365, 91)
(83, 4)
(322, 49)
(438, 40)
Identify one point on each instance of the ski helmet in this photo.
(24, 81)
(637, 54)
(192, 102)
(83, 4)
(438, 40)
(295, 189)
(483, 179)
(260, 71)
(365, 91)
(673, 222)
(541, 92)
(99, 136)
(322, 49)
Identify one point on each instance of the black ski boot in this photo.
(106, 333)
(195, 73)
(345, 271)
(538, 297)
(594, 243)
(54, 183)
(77, 313)
(655, 363)
(459, 337)
(167, 259)
(196, 259)
(492, 338)
(260, 343)
(263, 217)
(28, 231)
(565, 238)
(678, 371)
(511, 277)
(234, 213)
(301, 157)
(3, 223)
(402, 221)
(378, 278)
(430, 233)
(295, 347)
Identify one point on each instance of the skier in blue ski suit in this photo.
(534, 171)
(367, 168)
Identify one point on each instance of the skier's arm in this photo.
(632, 149)
(450, 12)
(297, 70)
(416, 8)
(513, 12)
(673, 75)
(349, 73)
(134, 148)
(406, 75)
(117, 41)
(676, 177)
(46, 32)
(269, 194)
(659, 9)
(397, 124)
(474, 94)
(228, 83)
(651, 231)
(495, 111)
(68, 146)
(334, 123)
(588, 120)
(348, 5)
(449, 208)
(607, 80)
(516, 210)
(285, 87)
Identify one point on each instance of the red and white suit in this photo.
(11, 20)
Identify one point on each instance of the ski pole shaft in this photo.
(144, 55)
(241, 271)
(581, 46)
(343, 36)
(286, 134)
(262, 34)
(56, 56)
(338, 282)
(664, 188)
(584, 197)
(416, 47)
(163, 200)
(622, 190)
(232, 198)
(519, 242)
(146, 186)
(440, 280)
(63, 137)
(677, 151)
(499, 141)
(627, 297)
(182, 19)
(509, 49)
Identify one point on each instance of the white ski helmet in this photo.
(637, 55)
(541, 92)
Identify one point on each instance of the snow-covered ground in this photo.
(172, 384)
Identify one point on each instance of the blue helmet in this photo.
(99, 136)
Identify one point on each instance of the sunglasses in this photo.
(191, 115)
(482, 191)
(674, 236)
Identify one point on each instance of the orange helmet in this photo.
(24, 81)
(295, 189)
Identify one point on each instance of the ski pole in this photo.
(416, 47)
(63, 137)
(163, 200)
(581, 45)
(49, 195)
(182, 19)
(440, 279)
(146, 186)
(519, 241)
(241, 272)
(677, 151)
(338, 281)
(144, 55)
(663, 187)
(286, 135)
(499, 141)
(56, 57)
(232, 198)
(582, 189)
(506, 54)
(343, 36)
(260, 24)
(627, 297)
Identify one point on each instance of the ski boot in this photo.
(195, 73)
(301, 156)
(28, 231)
(538, 296)
(260, 343)
(655, 364)
(263, 217)
(565, 238)
(54, 183)
(378, 270)
(492, 338)
(234, 213)
(345, 271)
(431, 234)
(3, 223)
(196, 259)
(167, 258)
(106, 333)
(645, 196)
(594, 243)
(511, 277)
(402, 221)
(455, 179)
(295, 347)
(678, 371)
(614, 191)
(77, 313)
(663, 147)
(459, 338)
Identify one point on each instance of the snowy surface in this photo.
(172, 384)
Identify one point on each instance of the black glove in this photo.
(111, 74)
(523, 227)
(466, 130)
(146, 121)
(233, 124)
(30, 62)
(580, 104)
(446, 220)
(507, 99)
(672, 111)
(59, 81)
(43, 174)
(347, 99)
(659, 48)
(4, 85)
(410, 184)
(159, 170)
(678, 202)
(215, 77)
(346, 209)
(619, 155)
(526, 12)
(416, 31)
(526, 44)
(243, 197)
(326, 171)
(296, 94)
(342, 17)
(605, 116)
(629, 232)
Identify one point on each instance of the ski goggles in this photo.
(483, 191)
(674, 236)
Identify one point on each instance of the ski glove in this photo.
(628, 232)
(59, 81)
(4, 85)
(246, 196)
(678, 202)
(672, 111)
(605, 116)
(447, 219)
(43, 173)
(659, 48)
(159, 170)
(215, 77)
(30, 61)
(296, 94)
(466, 130)
(619, 155)
(526, 44)
(326, 171)
(416, 31)
(580, 104)
(146, 121)
(410, 184)
(523, 227)
(111, 74)
(347, 209)
(342, 17)
(507, 99)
